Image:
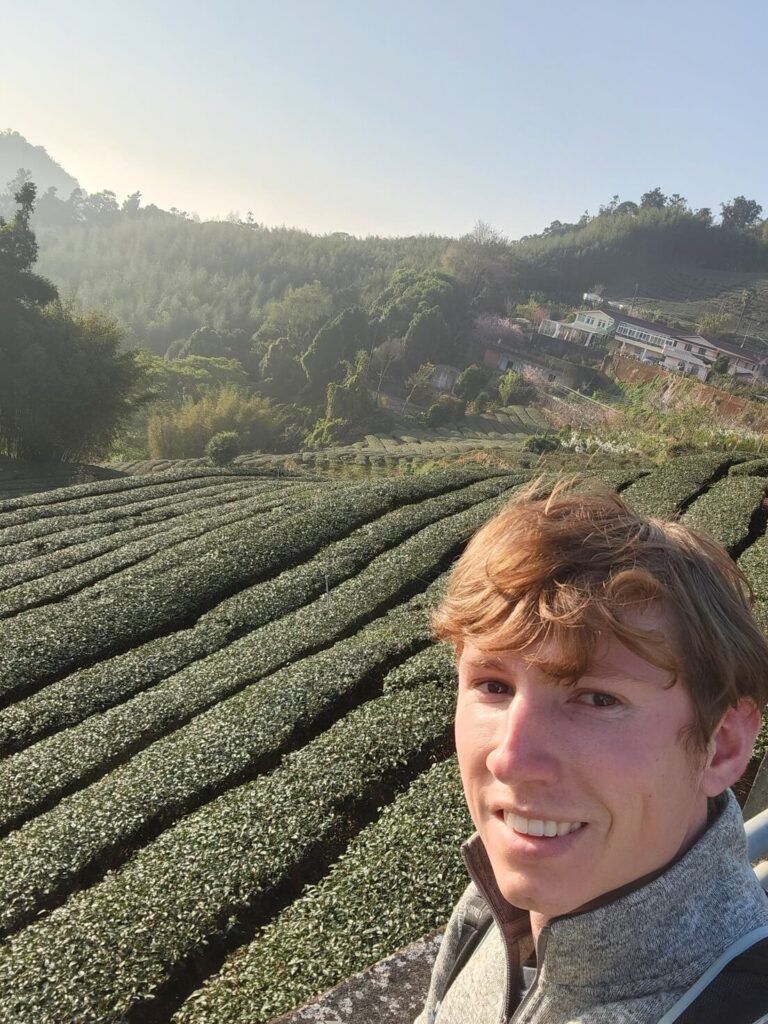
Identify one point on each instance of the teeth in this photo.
(539, 827)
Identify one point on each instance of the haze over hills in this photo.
(164, 274)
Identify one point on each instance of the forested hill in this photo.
(165, 274)
(16, 153)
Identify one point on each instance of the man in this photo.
(611, 681)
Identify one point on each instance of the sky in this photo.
(394, 117)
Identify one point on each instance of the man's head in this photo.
(610, 680)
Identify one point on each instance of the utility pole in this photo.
(637, 285)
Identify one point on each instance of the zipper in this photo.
(505, 1017)
(541, 946)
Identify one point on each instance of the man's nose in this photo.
(526, 746)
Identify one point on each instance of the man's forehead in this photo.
(609, 659)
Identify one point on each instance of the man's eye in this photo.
(597, 699)
(493, 687)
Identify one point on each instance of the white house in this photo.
(656, 343)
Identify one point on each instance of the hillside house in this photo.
(656, 343)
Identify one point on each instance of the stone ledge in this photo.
(392, 991)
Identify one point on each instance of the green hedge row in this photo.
(48, 533)
(725, 511)
(63, 548)
(174, 586)
(241, 735)
(78, 492)
(398, 879)
(434, 665)
(36, 521)
(108, 949)
(75, 568)
(754, 565)
(44, 770)
(663, 491)
(98, 687)
(753, 467)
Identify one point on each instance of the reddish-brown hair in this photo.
(565, 566)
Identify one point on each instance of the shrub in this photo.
(182, 432)
(541, 443)
(445, 410)
(480, 404)
(223, 447)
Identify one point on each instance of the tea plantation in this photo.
(226, 769)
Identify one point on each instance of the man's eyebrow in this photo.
(484, 661)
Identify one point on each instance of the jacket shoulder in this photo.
(469, 918)
(739, 993)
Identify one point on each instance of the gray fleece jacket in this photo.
(625, 962)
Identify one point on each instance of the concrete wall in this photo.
(393, 991)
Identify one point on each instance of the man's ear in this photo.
(730, 747)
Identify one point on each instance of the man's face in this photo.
(604, 753)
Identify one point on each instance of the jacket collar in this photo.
(710, 893)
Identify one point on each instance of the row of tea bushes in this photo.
(435, 665)
(752, 467)
(32, 522)
(237, 738)
(754, 564)
(350, 919)
(55, 765)
(98, 687)
(85, 565)
(32, 505)
(170, 588)
(29, 559)
(727, 510)
(663, 491)
(111, 948)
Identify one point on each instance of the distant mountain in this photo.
(16, 152)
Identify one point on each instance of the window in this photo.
(551, 377)
(702, 351)
(688, 348)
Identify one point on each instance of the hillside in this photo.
(16, 152)
(164, 274)
(688, 293)
(223, 723)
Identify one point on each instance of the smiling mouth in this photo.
(540, 827)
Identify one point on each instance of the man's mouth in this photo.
(539, 826)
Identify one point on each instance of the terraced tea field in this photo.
(405, 448)
(227, 779)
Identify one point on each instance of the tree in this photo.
(714, 323)
(419, 382)
(740, 213)
(427, 336)
(653, 200)
(627, 207)
(336, 342)
(514, 390)
(472, 381)
(480, 259)
(282, 375)
(297, 315)
(223, 447)
(183, 432)
(65, 386)
(721, 364)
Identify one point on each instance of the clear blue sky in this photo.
(395, 117)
